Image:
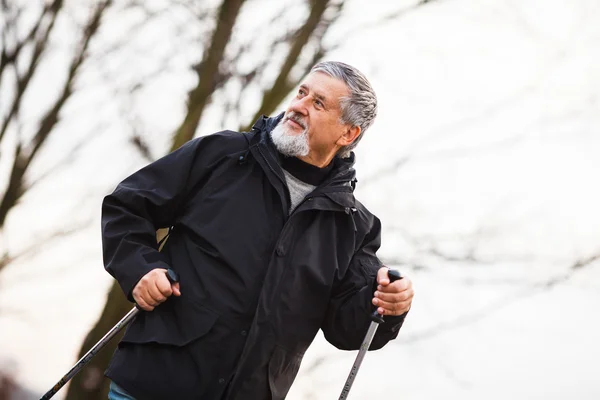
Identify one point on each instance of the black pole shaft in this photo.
(376, 319)
(91, 353)
(359, 359)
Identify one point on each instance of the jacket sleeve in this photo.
(350, 307)
(148, 200)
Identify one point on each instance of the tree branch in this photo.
(393, 16)
(513, 297)
(22, 161)
(9, 57)
(23, 82)
(68, 159)
(282, 85)
(36, 245)
(208, 72)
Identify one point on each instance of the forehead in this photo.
(325, 86)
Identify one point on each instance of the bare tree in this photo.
(24, 53)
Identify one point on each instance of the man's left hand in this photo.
(392, 298)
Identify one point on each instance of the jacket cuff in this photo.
(392, 323)
(153, 260)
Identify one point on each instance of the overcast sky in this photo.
(494, 107)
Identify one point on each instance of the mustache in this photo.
(294, 116)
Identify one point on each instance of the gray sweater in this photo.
(302, 178)
(298, 189)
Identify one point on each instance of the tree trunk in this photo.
(283, 85)
(90, 383)
(208, 72)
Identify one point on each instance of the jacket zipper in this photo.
(287, 227)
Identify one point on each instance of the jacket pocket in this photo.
(283, 368)
(175, 322)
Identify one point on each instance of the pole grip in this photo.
(393, 276)
(172, 276)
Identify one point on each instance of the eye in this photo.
(301, 92)
(319, 103)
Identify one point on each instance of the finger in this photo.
(148, 295)
(176, 289)
(401, 309)
(394, 297)
(146, 283)
(145, 296)
(141, 296)
(143, 305)
(163, 285)
(397, 286)
(390, 308)
(154, 292)
(382, 276)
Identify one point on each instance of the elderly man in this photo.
(270, 246)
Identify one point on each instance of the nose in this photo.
(300, 106)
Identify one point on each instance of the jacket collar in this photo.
(264, 123)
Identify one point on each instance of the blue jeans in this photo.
(116, 392)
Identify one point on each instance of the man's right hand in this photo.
(153, 289)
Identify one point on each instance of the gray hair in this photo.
(358, 109)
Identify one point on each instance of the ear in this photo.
(349, 136)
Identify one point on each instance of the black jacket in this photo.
(256, 283)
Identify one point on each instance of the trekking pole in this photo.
(376, 319)
(171, 275)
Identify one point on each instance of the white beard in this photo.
(289, 143)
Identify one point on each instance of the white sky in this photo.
(496, 104)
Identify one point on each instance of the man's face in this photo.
(314, 114)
